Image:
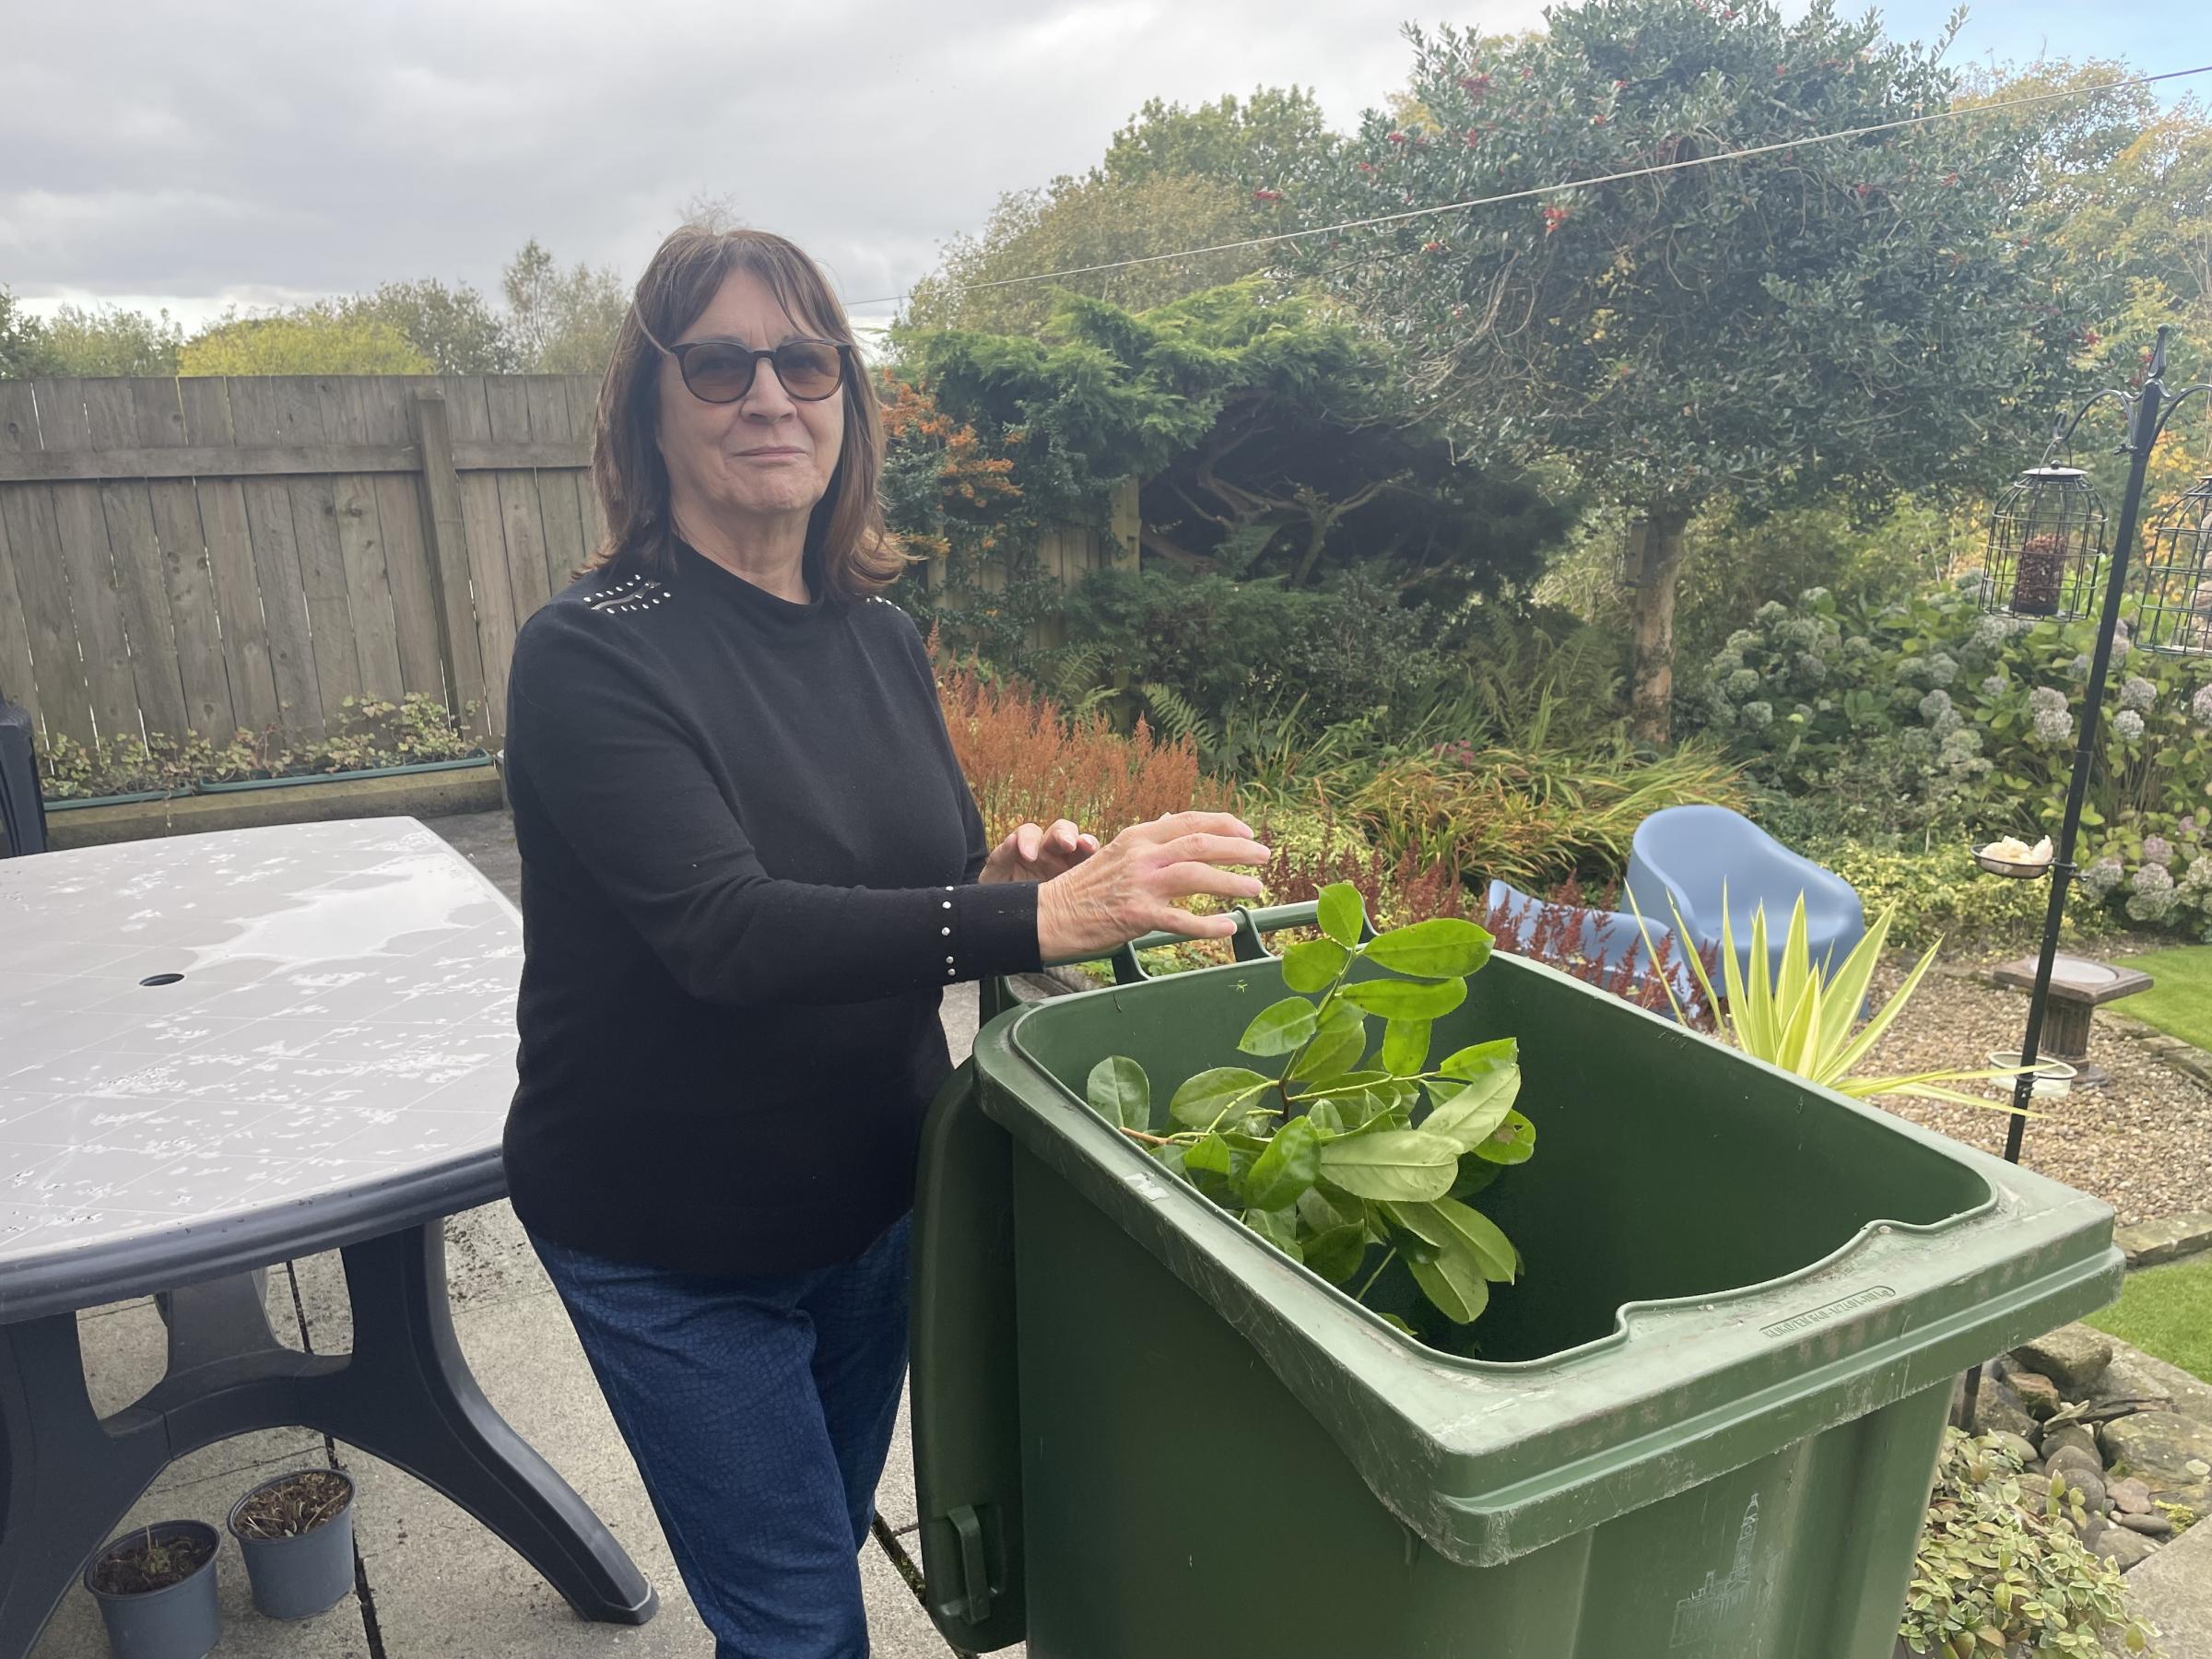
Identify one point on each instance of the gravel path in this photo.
(2143, 1143)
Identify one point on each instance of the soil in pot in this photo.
(152, 1560)
(298, 1504)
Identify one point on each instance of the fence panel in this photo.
(204, 554)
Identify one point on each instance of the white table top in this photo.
(335, 1060)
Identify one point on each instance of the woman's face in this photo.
(766, 457)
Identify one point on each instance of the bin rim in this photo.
(1625, 1314)
(1484, 1467)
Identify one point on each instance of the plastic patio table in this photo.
(221, 1052)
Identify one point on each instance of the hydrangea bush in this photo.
(1937, 721)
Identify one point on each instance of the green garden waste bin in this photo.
(1702, 1425)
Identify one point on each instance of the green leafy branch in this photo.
(1338, 1156)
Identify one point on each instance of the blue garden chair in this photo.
(1681, 859)
(1606, 938)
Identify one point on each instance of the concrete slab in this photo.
(443, 1585)
(959, 1016)
(2173, 1590)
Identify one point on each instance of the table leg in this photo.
(66, 1477)
(406, 1395)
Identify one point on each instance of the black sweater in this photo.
(747, 857)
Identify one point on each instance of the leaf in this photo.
(1404, 1164)
(1450, 1225)
(1276, 1228)
(1406, 1047)
(1342, 913)
(1338, 1253)
(1120, 1093)
(1474, 1061)
(1475, 1173)
(1514, 1142)
(1213, 1156)
(1314, 965)
(1406, 999)
(1336, 1047)
(1280, 1027)
(1288, 1167)
(1453, 1286)
(1318, 1213)
(1475, 1114)
(1326, 1117)
(1208, 1096)
(1359, 1095)
(1441, 948)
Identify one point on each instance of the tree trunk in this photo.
(1650, 701)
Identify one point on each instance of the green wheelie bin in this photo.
(1702, 1426)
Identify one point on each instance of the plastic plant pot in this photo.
(178, 1621)
(297, 1574)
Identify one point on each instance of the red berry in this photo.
(1397, 137)
(1432, 247)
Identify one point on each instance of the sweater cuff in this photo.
(988, 929)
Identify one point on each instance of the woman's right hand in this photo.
(1128, 887)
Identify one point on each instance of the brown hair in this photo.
(856, 555)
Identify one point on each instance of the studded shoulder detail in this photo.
(636, 594)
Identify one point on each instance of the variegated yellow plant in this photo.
(1802, 1019)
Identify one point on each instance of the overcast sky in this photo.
(247, 152)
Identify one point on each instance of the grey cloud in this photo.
(156, 148)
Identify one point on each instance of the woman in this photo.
(750, 865)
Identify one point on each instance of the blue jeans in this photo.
(760, 1409)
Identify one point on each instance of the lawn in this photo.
(2167, 1312)
(2181, 1003)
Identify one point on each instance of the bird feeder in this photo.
(2046, 545)
(2174, 609)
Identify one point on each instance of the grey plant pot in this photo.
(305, 1575)
(181, 1621)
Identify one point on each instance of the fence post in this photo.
(1125, 526)
(445, 540)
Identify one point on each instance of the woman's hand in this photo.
(1129, 887)
(1034, 854)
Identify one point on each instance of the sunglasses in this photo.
(721, 371)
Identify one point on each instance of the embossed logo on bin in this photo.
(1830, 1311)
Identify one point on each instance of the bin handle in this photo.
(1248, 942)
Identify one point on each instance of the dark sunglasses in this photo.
(721, 371)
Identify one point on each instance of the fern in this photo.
(1179, 717)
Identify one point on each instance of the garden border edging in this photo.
(417, 794)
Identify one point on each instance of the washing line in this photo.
(1955, 111)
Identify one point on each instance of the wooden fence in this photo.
(207, 555)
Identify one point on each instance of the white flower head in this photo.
(2128, 723)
